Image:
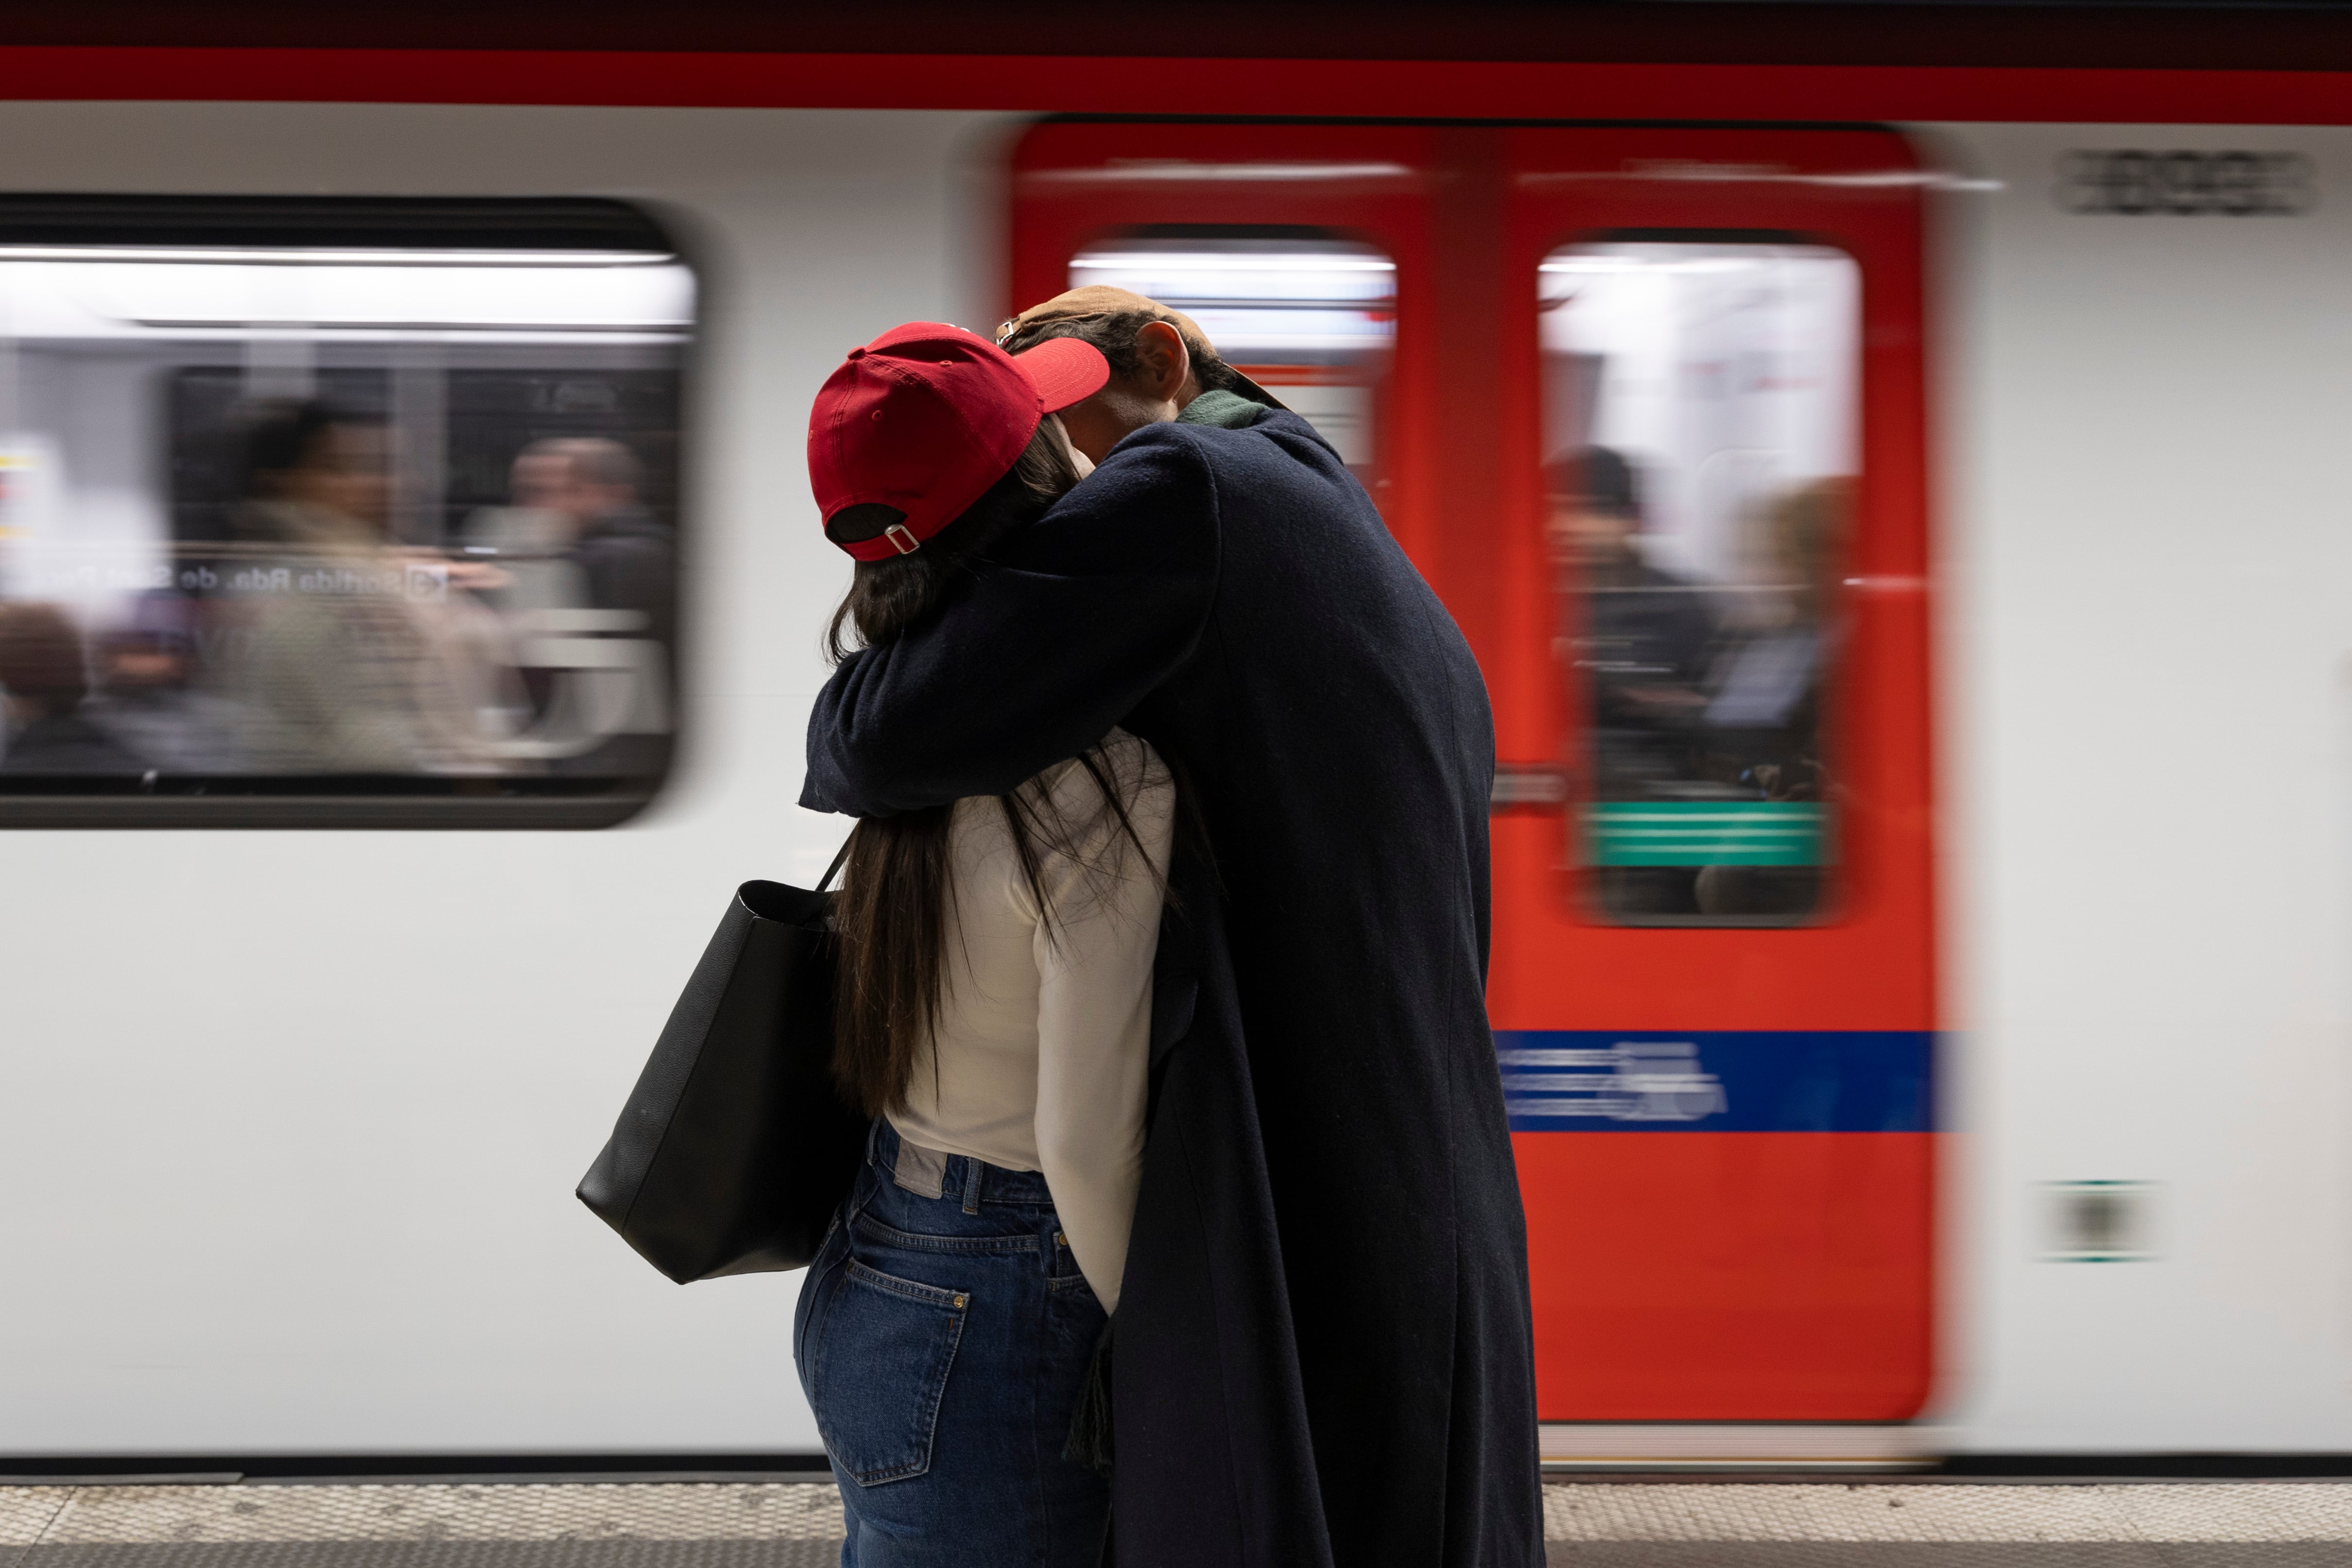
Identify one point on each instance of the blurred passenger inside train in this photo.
(626, 555)
(1762, 721)
(1642, 635)
(524, 546)
(625, 560)
(578, 535)
(45, 682)
(355, 657)
(1324, 1301)
(149, 697)
(1761, 731)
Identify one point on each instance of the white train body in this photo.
(290, 1119)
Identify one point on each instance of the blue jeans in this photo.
(942, 1335)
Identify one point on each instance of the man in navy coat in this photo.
(1322, 1353)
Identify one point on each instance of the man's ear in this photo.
(1167, 362)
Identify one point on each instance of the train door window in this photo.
(1311, 318)
(1700, 424)
(336, 512)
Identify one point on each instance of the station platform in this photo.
(797, 1524)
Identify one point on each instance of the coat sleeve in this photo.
(1040, 653)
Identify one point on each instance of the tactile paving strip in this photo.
(440, 1554)
(26, 1512)
(798, 1525)
(781, 1512)
(2277, 1512)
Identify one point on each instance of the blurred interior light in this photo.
(1258, 297)
(84, 292)
(1207, 261)
(1612, 264)
(324, 257)
(1121, 171)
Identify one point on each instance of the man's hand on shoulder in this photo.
(1072, 623)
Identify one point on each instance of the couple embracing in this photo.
(1190, 1202)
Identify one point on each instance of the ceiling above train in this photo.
(2303, 34)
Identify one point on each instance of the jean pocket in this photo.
(877, 1368)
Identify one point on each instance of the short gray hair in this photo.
(594, 460)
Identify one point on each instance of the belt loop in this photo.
(971, 1186)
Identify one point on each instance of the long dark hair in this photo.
(890, 918)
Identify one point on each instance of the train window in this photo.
(1310, 317)
(1700, 424)
(336, 512)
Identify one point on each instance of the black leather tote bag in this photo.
(734, 1150)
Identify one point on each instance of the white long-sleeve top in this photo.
(1040, 1058)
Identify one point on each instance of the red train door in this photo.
(1644, 405)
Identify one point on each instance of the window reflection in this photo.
(366, 520)
(1701, 425)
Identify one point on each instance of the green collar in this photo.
(1227, 411)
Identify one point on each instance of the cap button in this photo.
(856, 353)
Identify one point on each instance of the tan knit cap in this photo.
(1102, 299)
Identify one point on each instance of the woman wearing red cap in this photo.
(993, 1013)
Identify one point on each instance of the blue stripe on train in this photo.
(1669, 1080)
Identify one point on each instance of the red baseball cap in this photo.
(915, 427)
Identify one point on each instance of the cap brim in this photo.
(1064, 371)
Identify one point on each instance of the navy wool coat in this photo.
(1323, 1352)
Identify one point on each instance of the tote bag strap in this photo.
(826, 880)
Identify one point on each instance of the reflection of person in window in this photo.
(1644, 633)
(42, 673)
(357, 659)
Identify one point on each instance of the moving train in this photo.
(1922, 964)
